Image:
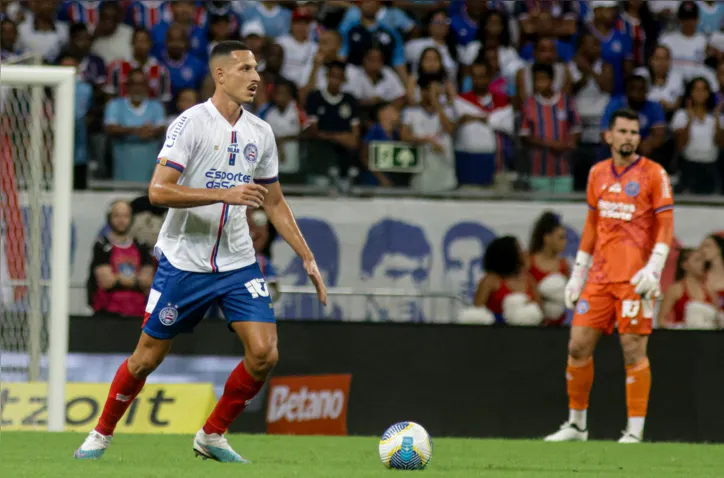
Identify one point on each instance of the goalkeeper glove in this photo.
(647, 281)
(575, 284)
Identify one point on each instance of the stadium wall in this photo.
(467, 381)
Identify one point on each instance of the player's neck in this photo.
(623, 161)
(229, 109)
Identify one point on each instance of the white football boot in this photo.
(215, 447)
(629, 437)
(569, 431)
(93, 447)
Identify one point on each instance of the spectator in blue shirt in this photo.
(136, 124)
(652, 120)
(387, 128)
(83, 98)
(368, 32)
(92, 68)
(186, 70)
(616, 46)
(275, 19)
(465, 23)
(389, 16)
(182, 12)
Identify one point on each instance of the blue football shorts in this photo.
(179, 299)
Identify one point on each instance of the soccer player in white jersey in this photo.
(217, 160)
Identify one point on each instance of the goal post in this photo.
(37, 123)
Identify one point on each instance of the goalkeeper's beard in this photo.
(626, 150)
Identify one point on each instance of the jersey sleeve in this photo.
(662, 199)
(179, 145)
(267, 171)
(591, 189)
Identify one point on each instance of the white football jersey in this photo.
(211, 154)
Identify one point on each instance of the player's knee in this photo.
(580, 349)
(261, 356)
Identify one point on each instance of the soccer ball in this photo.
(405, 446)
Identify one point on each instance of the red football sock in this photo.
(239, 388)
(123, 391)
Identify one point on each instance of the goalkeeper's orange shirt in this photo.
(626, 201)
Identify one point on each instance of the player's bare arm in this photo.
(165, 191)
(280, 214)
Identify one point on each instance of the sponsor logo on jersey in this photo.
(615, 188)
(173, 135)
(616, 210)
(308, 404)
(225, 179)
(251, 153)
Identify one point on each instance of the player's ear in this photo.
(607, 135)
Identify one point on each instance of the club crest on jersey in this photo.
(582, 307)
(251, 153)
(168, 315)
(233, 149)
(633, 188)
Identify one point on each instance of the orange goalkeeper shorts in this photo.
(604, 306)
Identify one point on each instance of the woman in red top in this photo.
(688, 302)
(712, 249)
(547, 267)
(507, 289)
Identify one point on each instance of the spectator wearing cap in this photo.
(299, 50)
(652, 121)
(359, 37)
(557, 18)
(688, 46)
(92, 68)
(111, 38)
(182, 14)
(41, 34)
(275, 19)
(616, 46)
(158, 76)
(186, 70)
(551, 128)
(136, 125)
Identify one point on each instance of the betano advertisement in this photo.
(159, 408)
(401, 244)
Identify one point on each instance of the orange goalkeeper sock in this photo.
(579, 378)
(638, 384)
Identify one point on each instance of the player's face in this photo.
(238, 76)
(556, 240)
(624, 136)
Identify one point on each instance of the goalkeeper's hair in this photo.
(624, 113)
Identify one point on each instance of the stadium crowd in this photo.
(490, 90)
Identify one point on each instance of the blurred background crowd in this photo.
(488, 93)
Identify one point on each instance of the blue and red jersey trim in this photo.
(170, 164)
(266, 180)
(215, 251)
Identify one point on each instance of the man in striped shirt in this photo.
(551, 128)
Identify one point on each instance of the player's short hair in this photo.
(624, 113)
(546, 223)
(543, 68)
(503, 257)
(226, 47)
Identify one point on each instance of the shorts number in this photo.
(631, 308)
(257, 288)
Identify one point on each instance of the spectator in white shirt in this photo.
(40, 33)
(545, 53)
(431, 66)
(315, 76)
(699, 133)
(375, 83)
(111, 38)
(666, 85)
(286, 120)
(298, 49)
(431, 124)
(689, 47)
(438, 35)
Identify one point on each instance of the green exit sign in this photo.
(395, 157)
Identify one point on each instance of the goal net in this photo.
(36, 161)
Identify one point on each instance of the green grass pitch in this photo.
(39, 455)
